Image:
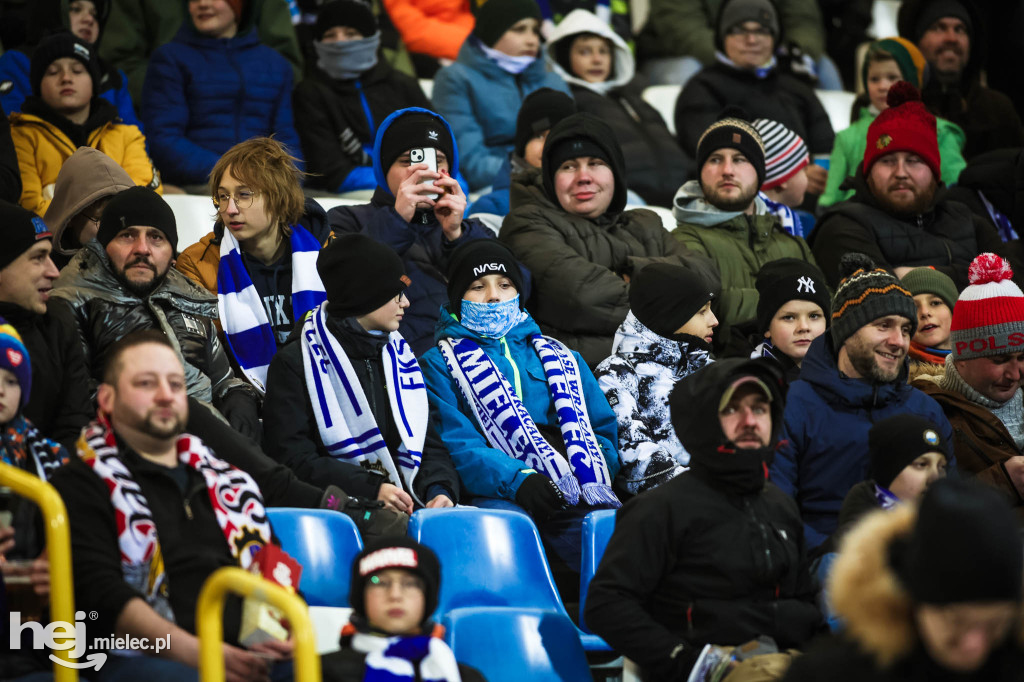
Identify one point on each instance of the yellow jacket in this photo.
(42, 149)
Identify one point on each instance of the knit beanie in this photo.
(989, 315)
(931, 281)
(494, 17)
(21, 229)
(359, 275)
(350, 13)
(937, 9)
(866, 293)
(912, 64)
(664, 296)
(540, 111)
(395, 552)
(58, 46)
(740, 11)
(236, 6)
(14, 358)
(964, 547)
(895, 442)
(584, 134)
(785, 153)
(732, 130)
(479, 258)
(787, 279)
(906, 126)
(411, 129)
(137, 206)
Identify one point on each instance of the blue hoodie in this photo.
(485, 471)
(824, 451)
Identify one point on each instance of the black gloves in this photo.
(242, 411)
(353, 148)
(540, 497)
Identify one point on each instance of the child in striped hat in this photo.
(785, 177)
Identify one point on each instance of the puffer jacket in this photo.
(486, 471)
(44, 140)
(104, 312)
(204, 95)
(637, 379)
(481, 101)
(655, 164)
(739, 244)
(824, 451)
(947, 237)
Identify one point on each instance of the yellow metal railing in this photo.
(210, 621)
(58, 545)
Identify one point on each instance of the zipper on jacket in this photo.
(769, 564)
(515, 369)
(366, 110)
(188, 510)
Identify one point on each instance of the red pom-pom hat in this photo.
(906, 126)
(988, 318)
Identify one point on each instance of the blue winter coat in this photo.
(484, 470)
(825, 448)
(481, 102)
(204, 95)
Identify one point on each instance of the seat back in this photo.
(597, 530)
(838, 104)
(511, 645)
(324, 542)
(663, 99)
(193, 216)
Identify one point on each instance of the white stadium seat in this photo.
(663, 99)
(837, 105)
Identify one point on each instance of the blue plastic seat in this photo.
(491, 557)
(325, 543)
(597, 530)
(512, 645)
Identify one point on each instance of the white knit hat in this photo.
(785, 153)
(989, 315)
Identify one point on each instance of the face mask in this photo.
(492, 319)
(347, 59)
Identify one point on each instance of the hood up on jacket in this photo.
(87, 176)
(637, 342)
(380, 174)
(581, 21)
(589, 127)
(689, 206)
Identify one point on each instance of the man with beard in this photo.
(722, 216)
(153, 513)
(850, 379)
(899, 215)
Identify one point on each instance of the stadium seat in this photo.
(837, 104)
(427, 86)
(194, 216)
(883, 18)
(663, 98)
(597, 530)
(491, 557)
(511, 645)
(324, 542)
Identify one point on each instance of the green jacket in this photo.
(848, 154)
(739, 245)
(137, 27)
(679, 28)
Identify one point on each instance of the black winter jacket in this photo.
(10, 172)
(293, 437)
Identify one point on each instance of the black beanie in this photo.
(938, 9)
(137, 206)
(786, 279)
(584, 134)
(866, 293)
(663, 296)
(411, 131)
(58, 46)
(734, 12)
(395, 552)
(21, 229)
(965, 547)
(351, 13)
(359, 275)
(733, 130)
(495, 17)
(895, 442)
(540, 111)
(479, 258)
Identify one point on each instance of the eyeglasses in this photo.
(759, 32)
(405, 583)
(243, 199)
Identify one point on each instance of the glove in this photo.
(243, 413)
(353, 148)
(540, 497)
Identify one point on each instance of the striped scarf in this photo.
(508, 426)
(401, 658)
(246, 326)
(24, 447)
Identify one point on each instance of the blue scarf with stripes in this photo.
(242, 315)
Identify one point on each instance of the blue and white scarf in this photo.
(508, 426)
(787, 216)
(242, 315)
(884, 498)
(396, 659)
(343, 414)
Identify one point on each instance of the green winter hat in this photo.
(931, 281)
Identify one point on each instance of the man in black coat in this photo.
(716, 555)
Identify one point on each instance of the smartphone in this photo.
(427, 155)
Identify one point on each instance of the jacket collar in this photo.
(820, 370)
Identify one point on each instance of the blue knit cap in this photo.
(14, 358)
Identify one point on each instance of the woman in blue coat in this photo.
(480, 94)
(213, 86)
(523, 417)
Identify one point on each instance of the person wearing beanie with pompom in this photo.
(850, 378)
(900, 216)
(980, 391)
(665, 337)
